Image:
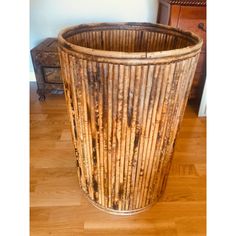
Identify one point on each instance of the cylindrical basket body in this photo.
(126, 87)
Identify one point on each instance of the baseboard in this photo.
(32, 76)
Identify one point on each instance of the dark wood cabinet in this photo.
(189, 15)
(47, 67)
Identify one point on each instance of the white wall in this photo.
(48, 17)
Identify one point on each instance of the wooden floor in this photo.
(57, 206)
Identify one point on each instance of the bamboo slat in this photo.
(126, 87)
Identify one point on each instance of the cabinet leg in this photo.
(42, 98)
(41, 94)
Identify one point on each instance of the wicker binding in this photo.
(126, 87)
(187, 2)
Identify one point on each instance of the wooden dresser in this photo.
(189, 15)
(47, 67)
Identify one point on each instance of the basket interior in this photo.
(129, 40)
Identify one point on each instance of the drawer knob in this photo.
(202, 26)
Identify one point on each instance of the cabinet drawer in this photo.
(52, 75)
(191, 12)
(190, 18)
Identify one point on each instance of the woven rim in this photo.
(67, 32)
(188, 2)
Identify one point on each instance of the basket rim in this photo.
(130, 55)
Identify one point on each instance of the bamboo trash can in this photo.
(126, 87)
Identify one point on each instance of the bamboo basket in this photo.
(126, 87)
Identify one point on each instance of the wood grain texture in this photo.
(58, 207)
(125, 114)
